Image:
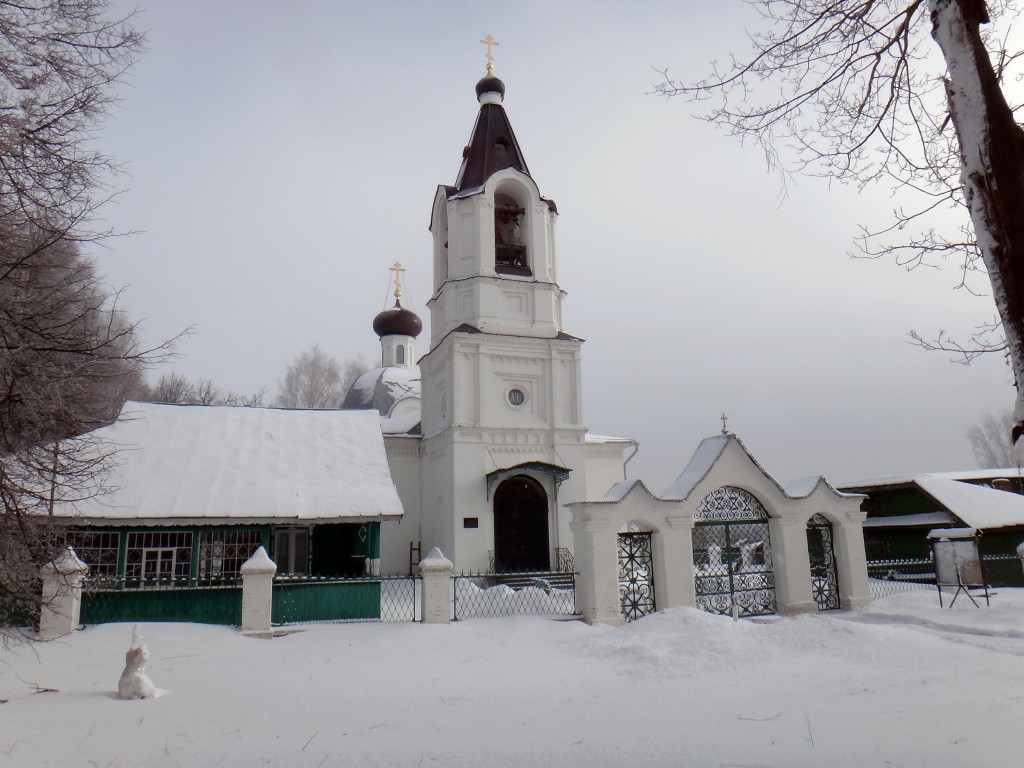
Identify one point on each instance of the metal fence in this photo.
(513, 594)
(1004, 570)
(891, 577)
(296, 600)
(303, 599)
(212, 601)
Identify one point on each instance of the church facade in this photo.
(500, 446)
(480, 450)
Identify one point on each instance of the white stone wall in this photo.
(404, 459)
(605, 466)
(471, 429)
(467, 289)
(670, 520)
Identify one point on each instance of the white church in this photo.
(480, 450)
(486, 437)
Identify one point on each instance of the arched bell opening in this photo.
(521, 526)
(511, 254)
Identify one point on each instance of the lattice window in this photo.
(98, 550)
(156, 557)
(221, 553)
(729, 503)
(824, 574)
(636, 575)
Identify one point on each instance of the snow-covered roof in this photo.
(909, 521)
(970, 474)
(710, 451)
(951, 534)
(591, 438)
(700, 464)
(976, 505)
(208, 463)
(383, 388)
(401, 425)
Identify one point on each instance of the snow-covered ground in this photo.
(901, 684)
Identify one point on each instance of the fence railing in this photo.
(513, 594)
(564, 562)
(1004, 570)
(891, 577)
(211, 601)
(304, 599)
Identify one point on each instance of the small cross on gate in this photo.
(490, 42)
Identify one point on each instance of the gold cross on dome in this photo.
(490, 42)
(398, 269)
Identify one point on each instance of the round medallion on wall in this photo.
(516, 397)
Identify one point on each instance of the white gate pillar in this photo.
(597, 588)
(436, 572)
(852, 561)
(792, 564)
(673, 563)
(258, 592)
(61, 595)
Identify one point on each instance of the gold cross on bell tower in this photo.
(490, 42)
(398, 269)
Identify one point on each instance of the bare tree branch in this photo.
(68, 355)
(905, 92)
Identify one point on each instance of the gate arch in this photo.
(732, 554)
(521, 526)
(820, 552)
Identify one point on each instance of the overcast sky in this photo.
(280, 157)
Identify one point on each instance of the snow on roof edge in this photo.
(206, 463)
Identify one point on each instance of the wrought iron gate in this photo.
(636, 575)
(824, 580)
(732, 554)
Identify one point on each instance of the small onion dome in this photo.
(397, 322)
(490, 84)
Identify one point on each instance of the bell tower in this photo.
(502, 403)
(494, 236)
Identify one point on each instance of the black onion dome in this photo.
(397, 322)
(490, 84)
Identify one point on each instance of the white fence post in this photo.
(436, 571)
(257, 591)
(62, 595)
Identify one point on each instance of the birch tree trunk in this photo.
(992, 167)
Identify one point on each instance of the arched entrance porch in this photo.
(521, 526)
